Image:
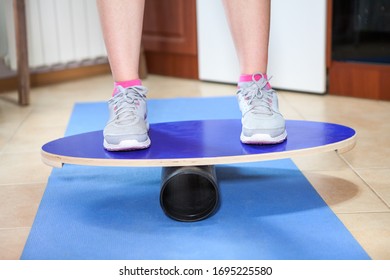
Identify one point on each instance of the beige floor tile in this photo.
(372, 231)
(309, 104)
(100, 89)
(161, 87)
(30, 139)
(12, 242)
(10, 97)
(345, 192)
(365, 116)
(171, 87)
(372, 126)
(23, 168)
(47, 117)
(6, 133)
(19, 204)
(287, 110)
(370, 152)
(11, 117)
(325, 106)
(321, 161)
(66, 94)
(10, 112)
(386, 105)
(379, 181)
(215, 89)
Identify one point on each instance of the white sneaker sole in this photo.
(127, 145)
(261, 139)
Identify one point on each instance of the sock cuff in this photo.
(126, 84)
(129, 83)
(249, 77)
(244, 78)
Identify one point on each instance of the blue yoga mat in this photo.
(268, 209)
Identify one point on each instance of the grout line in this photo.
(15, 132)
(12, 228)
(292, 106)
(361, 212)
(364, 181)
(375, 168)
(23, 184)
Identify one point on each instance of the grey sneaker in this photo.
(262, 122)
(127, 127)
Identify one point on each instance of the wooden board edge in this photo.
(58, 161)
(350, 143)
(51, 159)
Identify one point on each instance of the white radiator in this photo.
(58, 32)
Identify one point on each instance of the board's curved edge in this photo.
(349, 145)
(51, 159)
(58, 161)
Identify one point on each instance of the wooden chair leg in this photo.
(21, 52)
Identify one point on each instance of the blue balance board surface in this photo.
(268, 210)
(201, 139)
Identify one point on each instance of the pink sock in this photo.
(126, 84)
(257, 76)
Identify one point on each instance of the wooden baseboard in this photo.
(359, 80)
(56, 76)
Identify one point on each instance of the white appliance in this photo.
(297, 48)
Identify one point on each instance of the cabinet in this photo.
(358, 57)
(170, 38)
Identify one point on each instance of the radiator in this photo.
(58, 32)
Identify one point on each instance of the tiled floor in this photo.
(356, 185)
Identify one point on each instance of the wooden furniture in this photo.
(23, 74)
(355, 79)
(170, 38)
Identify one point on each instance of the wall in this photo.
(3, 31)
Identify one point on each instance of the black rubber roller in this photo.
(189, 193)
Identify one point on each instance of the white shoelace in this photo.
(258, 97)
(126, 103)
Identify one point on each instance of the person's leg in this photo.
(121, 22)
(249, 23)
(127, 127)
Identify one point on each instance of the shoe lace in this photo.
(258, 96)
(126, 102)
